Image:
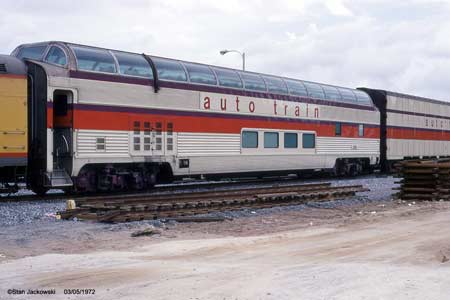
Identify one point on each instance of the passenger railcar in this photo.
(111, 120)
(411, 127)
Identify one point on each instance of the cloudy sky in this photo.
(402, 46)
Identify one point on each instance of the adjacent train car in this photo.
(112, 120)
(411, 127)
(13, 122)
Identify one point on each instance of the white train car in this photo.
(411, 127)
(112, 120)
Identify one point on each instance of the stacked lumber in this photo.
(424, 179)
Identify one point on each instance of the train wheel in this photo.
(352, 170)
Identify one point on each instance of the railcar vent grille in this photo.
(3, 68)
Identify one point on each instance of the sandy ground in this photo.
(383, 250)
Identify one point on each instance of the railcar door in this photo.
(157, 139)
(162, 138)
(152, 138)
(62, 138)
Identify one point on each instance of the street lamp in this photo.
(223, 52)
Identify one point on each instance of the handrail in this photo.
(14, 147)
(66, 142)
(13, 132)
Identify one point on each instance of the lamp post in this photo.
(223, 52)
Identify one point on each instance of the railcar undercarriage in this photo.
(10, 177)
(117, 177)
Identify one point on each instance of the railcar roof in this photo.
(101, 60)
(11, 65)
(409, 97)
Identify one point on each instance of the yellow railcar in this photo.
(13, 120)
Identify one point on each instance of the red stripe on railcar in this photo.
(101, 120)
(417, 134)
(59, 121)
(13, 155)
(49, 116)
(13, 76)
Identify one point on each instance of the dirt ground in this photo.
(381, 250)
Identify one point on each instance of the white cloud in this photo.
(338, 8)
(400, 46)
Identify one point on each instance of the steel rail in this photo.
(200, 203)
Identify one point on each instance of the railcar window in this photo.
(200, 74)
(169, 136)
(361, 130)
(137, 136)
(270, 139)
(347, 95)
(56, 56)
(338, 129)
(133, 65)
(331, 93)
(309, 140)
(296, 88)
(137, 127)
(314, 90)
(34, 52)
(253, 82)
(228, 78)
(147, 136)
(169, 69)
(60, 105)
(290, 140)
(158, 136)
(147, 143)
(249, 139)
(275, 85)
(94, 60)
(362, 97)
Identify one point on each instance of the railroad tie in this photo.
(148, 207)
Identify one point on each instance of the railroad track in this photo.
(145, 207)
(180, 186)
(174, 187)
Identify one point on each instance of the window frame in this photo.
(44, 53)
(242, 74)
(155, 58)
(303, 140)
(185, 67)
(362, 96)
(338, 125)
(332, 90)
(312, 84)
(296, 140)
(346, 91)
(214, 69)
(47, 52)
(113, 52)
(253, 132)
(267, 79)
(293, 82)
(116, 65)
(278, 139)
(361, 130)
